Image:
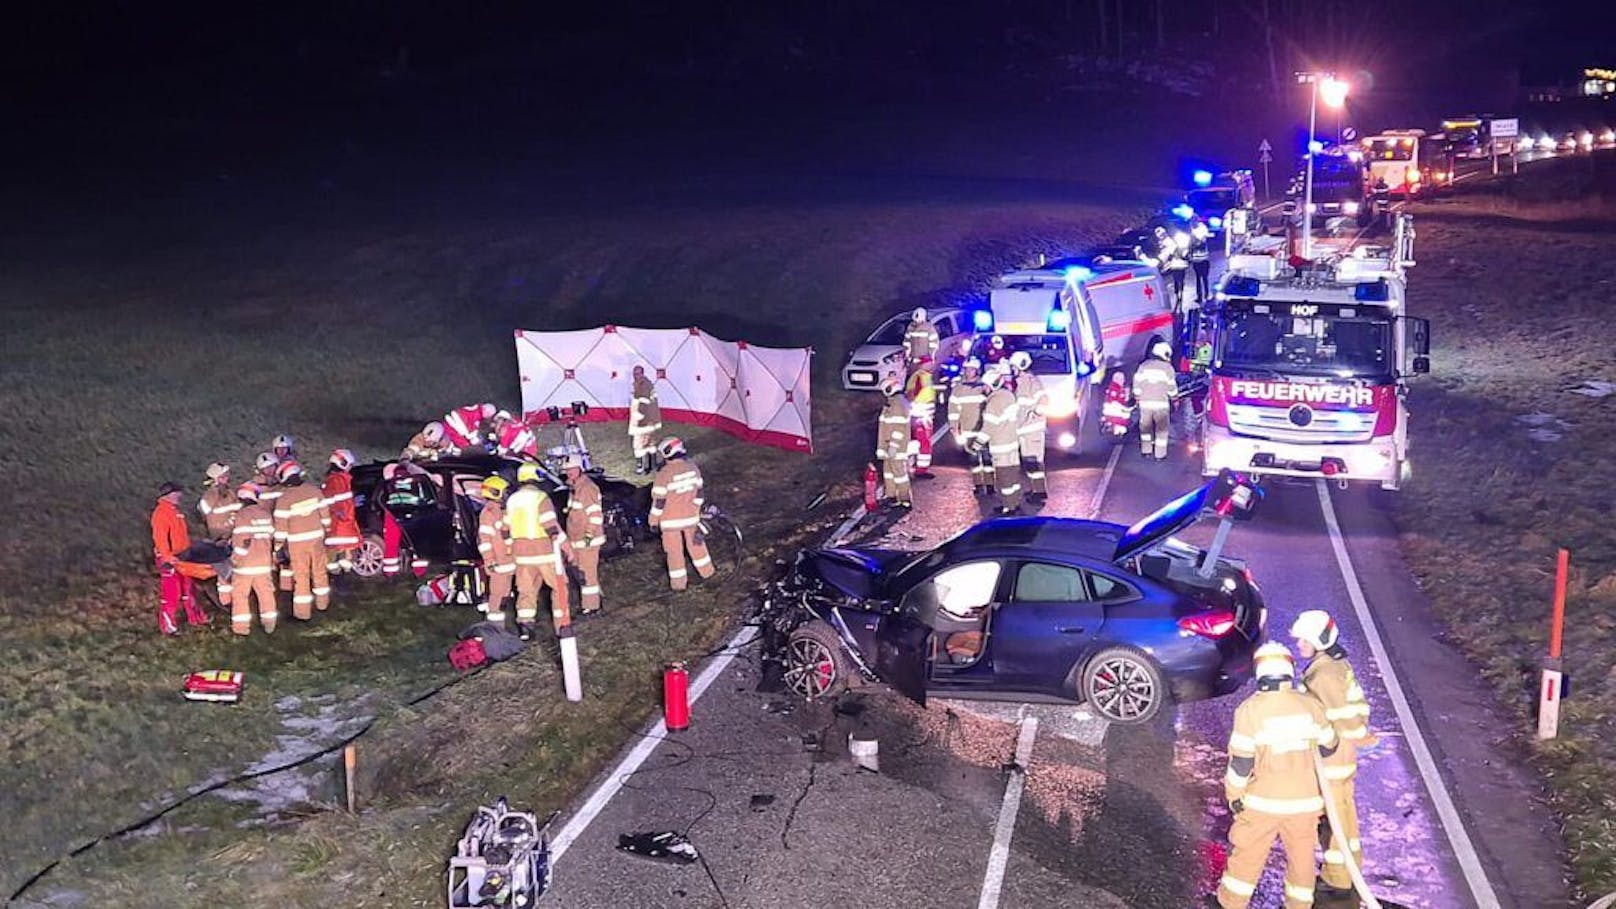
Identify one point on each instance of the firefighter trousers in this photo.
(1153, 429)
(976, 454)
(675, 543)
(587, 561)
(1250, 838)
(311, 584)
(642, 443)
(895, 478)
(1334, 872)
(1032, 460)
(500, 579)
(533, 573)
(253, 587)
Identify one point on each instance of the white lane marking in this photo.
(1463, 849)
(650, 739)
(999, 855)
(1105, 482)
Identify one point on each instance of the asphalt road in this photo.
(1107, 816)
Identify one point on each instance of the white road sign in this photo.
(1506, 129)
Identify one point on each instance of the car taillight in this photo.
(1217, 412)
(1208, 624)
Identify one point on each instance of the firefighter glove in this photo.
(1237, 806)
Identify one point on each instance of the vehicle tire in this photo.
(367, 558)
(816, 666)
(1123, 686)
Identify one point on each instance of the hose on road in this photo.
(1336, 836)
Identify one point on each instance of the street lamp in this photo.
(1333, 92)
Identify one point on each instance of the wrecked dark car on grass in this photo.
(1123, 619)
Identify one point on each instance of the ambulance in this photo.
(1077, 318)
(1310, 364)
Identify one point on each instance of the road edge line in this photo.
(999, 854)
(1459, 838)
(651, 737)
(1105, 482)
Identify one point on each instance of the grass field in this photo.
(142, 350)
(1519, 288)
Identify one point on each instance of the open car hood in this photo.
(859, 573)
(1163, 523)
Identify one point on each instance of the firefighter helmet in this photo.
(1316, 628)
(1273, 660)
(284, 442)
(502, 416)
(997, 342)
(494, 488)
(972, 363)
(671, 447)
(288, 470)
(527, 473)
(1161, 350)
(487, 410)
(248, 492)
(573, 462)
(994, 376)
(218, 471)
(266, 461)
(343, 459)
(432, 432)
(891, 386)
(919, 315)
(1021, 361)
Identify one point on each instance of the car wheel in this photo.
(816, 666)
(367, 559)
(1122, 685)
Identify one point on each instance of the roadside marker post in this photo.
(1552, 689)
(350, 764)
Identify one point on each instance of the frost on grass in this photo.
(305, 735)
(1593, 388)
(1543, 427)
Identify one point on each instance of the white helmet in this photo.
(973, 363)
(343, 459)
(285, 441)
(503, 416)
(994, 375)
(266, 461)
(1021, 361)
(432, 432)
(1162, 350)
(919, 315)
(573, 462)
(891, 386)
(218, 471)
(1316, 628)
(488, 411)
(1273, 660)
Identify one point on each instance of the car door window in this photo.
(945, 327)
(1041, 582)
(1110, 590)
(961, 591)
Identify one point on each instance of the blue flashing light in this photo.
(1315, 147)
(1203, 178)
(1376, 292)
(1216, 222)
(1183, 211)
(1242, 286)
(982, 319)
(1084, 368)
(1059, 320)
(1077, 274)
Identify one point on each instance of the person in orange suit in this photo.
(171, 542)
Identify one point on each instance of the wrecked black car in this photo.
(1124, 619)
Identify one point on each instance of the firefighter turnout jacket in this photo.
(494, 545)
(301, 520)
(218, 507)
(1330, 679)
(1001, 423)
(676, 501)
(586, 526)
(420, 449)
(1031, 396)
(252, 561)
(536, 547)
(965, 400)
(920, 340)
(893, 435)
(645, 414)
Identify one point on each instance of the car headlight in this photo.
(1349, 207)
(1067, 440)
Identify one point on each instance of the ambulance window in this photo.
(945, 327)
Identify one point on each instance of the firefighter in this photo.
(1329, 679)
(218, 504)
(343, 538)
(1200, 256)
(427, 445)
(920, 340)
(513, 438)
(538, 546)
(301, 521)
(965, 399)
(252, 559)
(1000, 422)
(1154, 383)
(920, 389)
(171, 544)
(462, 427)
(1117, 411)
(1173, 265)
(284, 447)
(1032, 431)
(892, 434)
(676, 501)
(494, 544)
(644, 422)
(997, 352)
(265, 478)
(1271, 785)
(586, 528)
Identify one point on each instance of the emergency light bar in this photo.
(982, 320)
(1059, 320)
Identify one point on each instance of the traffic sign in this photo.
(1348, 134)
(1265, 152)
(1506, 129)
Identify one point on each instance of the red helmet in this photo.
(288, 470)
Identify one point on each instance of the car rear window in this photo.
(1039, 582)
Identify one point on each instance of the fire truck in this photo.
(1311, 360)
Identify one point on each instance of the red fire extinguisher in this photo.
(870, 479)
(675, 697)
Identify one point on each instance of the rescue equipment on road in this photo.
(218, 685)
(676, 697)
(503, 859)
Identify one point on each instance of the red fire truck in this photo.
(1310, 363)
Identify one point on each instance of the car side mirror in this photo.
(1422, 365)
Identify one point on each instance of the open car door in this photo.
(902, 654)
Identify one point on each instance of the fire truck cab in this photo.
(1310, 364)
(1076, 319)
